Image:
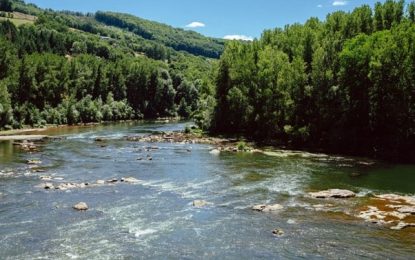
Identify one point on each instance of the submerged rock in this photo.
(333, 193)
(81, 206)
(267, 208)
(34, 162)
(200, 203)
(46, 178)
(26, 146)
(323, 207)
(402, 225)
(38, 170)
(71, 185)
(129, 180)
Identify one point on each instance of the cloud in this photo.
(238, 37)
(319, 6)
(195, 25)
(340, 3)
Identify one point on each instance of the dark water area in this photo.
(155, 218)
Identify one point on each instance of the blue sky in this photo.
(217, 18)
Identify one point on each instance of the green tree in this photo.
(6, 5)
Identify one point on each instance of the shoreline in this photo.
(221, 143)
(28, 130)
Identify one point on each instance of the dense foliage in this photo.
(178, 39)
(67, 68)
(5, 5)
(343, 85)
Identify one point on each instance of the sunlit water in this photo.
(155, 218)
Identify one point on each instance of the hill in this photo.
(62, 67)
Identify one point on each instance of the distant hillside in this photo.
(153, 32)
(63, 67)
(178, 39)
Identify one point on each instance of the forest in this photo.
(344, 85)
(67, 68)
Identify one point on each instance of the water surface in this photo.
(155, 218)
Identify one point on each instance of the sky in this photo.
(242, 19)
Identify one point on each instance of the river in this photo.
(155, 218)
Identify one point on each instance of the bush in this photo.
(187, 129)
(242, 146)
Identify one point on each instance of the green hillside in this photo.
(68, 68)
(178, 39)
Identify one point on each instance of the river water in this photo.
(156, 219)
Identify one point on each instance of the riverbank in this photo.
(188, 135)
(234, 145)
(32, 130)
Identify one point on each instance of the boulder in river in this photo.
(200, 203)
(81, 206)
(333, 193)
(267, 208)
(215, 152)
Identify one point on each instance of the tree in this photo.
(5, 105)
(411, 11)
(6, 6)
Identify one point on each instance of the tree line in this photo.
(346, 84)
(53, 73)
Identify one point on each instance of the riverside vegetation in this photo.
(343, 85)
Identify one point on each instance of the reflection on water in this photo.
(155, 218)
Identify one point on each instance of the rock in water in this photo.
(81, 206)
(333, 193)
(48, 186)
(278, 232)
(267, 208)
(100, 182)
(407, 209)
(129, 180)
(402, 225)
(112, 180)
(33, 162)
(200, 203)
(215, 152)
(397, 198)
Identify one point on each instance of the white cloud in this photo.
(340, 3)
(195, 25)
(319, 6)
(238, 37)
